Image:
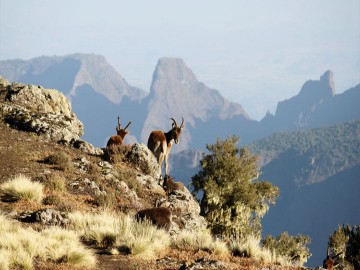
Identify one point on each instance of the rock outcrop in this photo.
(42, 111)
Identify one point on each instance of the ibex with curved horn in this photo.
(121, 133)
(160, 143)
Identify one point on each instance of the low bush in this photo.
(57, 182)
(60, 159)
(293, 248)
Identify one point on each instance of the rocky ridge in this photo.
(47, 113)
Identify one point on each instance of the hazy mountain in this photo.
(328, 158)
(68, 73)
(98, 94)
(323, 158)
(316, 105)
(176, 92)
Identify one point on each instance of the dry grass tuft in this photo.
(251, 248)
(120, 231)
(20, 247)
(21, 188)
(57, 183)
(200, 240)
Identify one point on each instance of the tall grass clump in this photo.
(63, 246)
(250, 247)
(147, 241)
(120, 231)
(57, 182)
(19, 247)
(61, 160)
(200, 240)
(21, 188)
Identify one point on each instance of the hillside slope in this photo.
(79, 177)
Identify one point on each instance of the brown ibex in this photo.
(170, 185)
(121, 133)
(160, 142)
(159, 216)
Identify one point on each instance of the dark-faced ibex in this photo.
(119, 138)
(160, 142)
(159, 216)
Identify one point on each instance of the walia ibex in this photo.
(170, 185)
(160, 142)
(159, 216)
(121, 133)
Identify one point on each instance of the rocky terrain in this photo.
(40, 137)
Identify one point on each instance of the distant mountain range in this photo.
(318, 173)
(99, 93)
(309, 155)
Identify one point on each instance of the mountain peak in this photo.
(325, 87)
(328, 79)
(176, 92)
(174, 71)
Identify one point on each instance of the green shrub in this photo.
(21, 188)
(293, 248)
(346, 239)
(233, 200)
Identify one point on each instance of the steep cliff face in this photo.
(299, 111)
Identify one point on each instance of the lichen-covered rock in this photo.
(36, 109)
(144, 160)
(50, 217)
(88, 148)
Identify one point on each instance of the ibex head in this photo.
(117, 140)
(122, 131)
(176, 131)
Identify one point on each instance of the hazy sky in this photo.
(254, 52)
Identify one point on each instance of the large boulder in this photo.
(43, 111)
(185, 210)
(144, 160)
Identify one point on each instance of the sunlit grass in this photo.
(21, 188)
(19, 247)
(200, 240)
(251, 248)
(119, 231)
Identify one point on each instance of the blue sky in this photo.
(256, 53)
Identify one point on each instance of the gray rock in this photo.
(43, 111)
(144, 160)
(50, 217)
(186, 211)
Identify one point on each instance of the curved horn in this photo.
(119, 125)
(127, 126)
(182, 123)
(174, 122)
